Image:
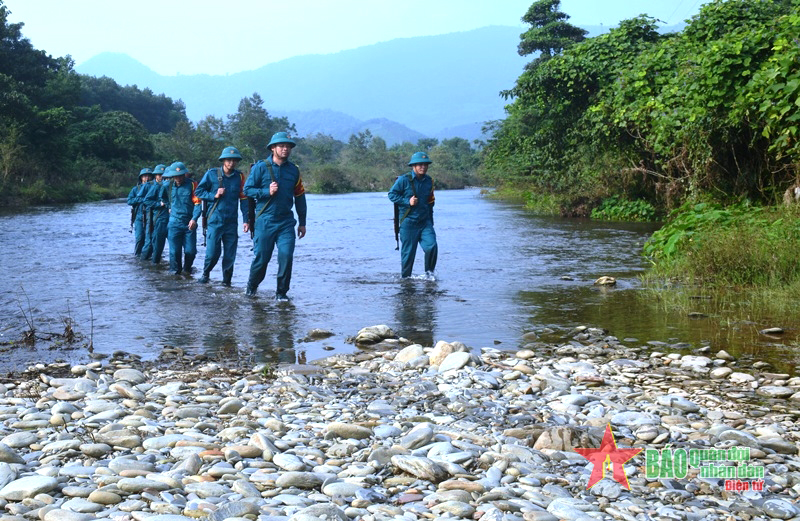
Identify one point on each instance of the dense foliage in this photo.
(734, 245)
(711, 111)
(61, 138)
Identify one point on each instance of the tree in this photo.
(549, 33)
(252, 127)
(112, 136)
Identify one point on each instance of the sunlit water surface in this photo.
(502, 272)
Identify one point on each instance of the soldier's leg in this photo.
(263, 245)
(213, 250)
(189, 250)
(230, 240)
(147, 248)
(409, 236)
(138, 233)
(429, 245)
(285, 241)
(160, 239)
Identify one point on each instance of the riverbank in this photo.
(400, 431)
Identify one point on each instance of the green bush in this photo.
(739, 245)
(616, 208)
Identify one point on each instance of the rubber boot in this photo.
(188, 260)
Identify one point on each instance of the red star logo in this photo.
(608, 454)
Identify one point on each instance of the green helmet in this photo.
(419, 157)
(230, 153)
(159, 169)
(175, 169)
(144, 171)
(281, 137)
(168, 172)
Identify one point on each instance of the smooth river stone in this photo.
(422, 468)
(341, 489)
(409, 353)
(21, 439)
(9, 455)
(304, 480)
(349, 431)
(289, 462)
(133, 376)
(137, 485)
(454, 361)
(28, 487)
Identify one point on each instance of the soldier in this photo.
(276, 186)
(184, 212)
(153, 186)
(157, 199)
(135, 199)
(191, 240)
(413, 193)
(221, 188)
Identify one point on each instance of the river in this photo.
(502, 273)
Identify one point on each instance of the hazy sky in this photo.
(203, 36)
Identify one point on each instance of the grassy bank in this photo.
(39, 193)
(736, 246)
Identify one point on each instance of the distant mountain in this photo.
(437, 86)
(341, 126)
(425, 83)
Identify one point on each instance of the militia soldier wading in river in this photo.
(184, 212)
(276, 187)
(413, 195)
(136, 202)
(221, 188)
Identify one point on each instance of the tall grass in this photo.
(736, 246)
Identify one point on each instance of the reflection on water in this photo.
(416, 312)
(501, 273)
(640, 318)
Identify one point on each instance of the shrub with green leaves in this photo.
(738, 245)
(616, 208)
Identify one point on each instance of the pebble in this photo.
(400, 432)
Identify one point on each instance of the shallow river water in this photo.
(501, 273)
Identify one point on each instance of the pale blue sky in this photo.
(212, 37)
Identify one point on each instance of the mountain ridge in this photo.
(426, 83)
(430, 86)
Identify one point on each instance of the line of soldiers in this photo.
(167, 204)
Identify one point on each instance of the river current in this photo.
(501, 273)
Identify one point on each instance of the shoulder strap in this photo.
(411, 182)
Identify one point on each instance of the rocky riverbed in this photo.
(401, 432)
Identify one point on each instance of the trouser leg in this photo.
(263, 245)
(285, 243)
(230, 240)
(147, 247)
(409, 236)
(428, 242)
(213, 248)
(159, 240)
(138, 233)
(176, 236)
(189, 249)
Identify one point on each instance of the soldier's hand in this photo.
(413, 200)
(301, 232)
(192, 224)
(246, 227)
(220, 192)
(273, 187)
